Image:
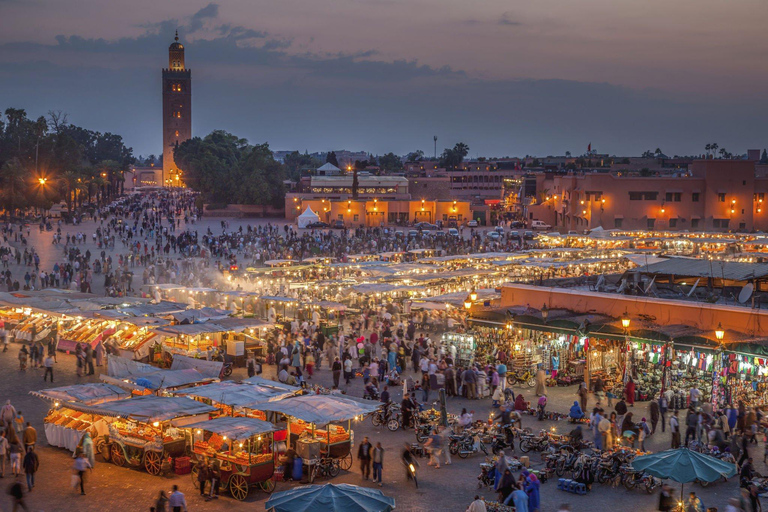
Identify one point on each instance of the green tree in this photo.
(331, 159)
(415, 156)
(390, 162)
(453, 157)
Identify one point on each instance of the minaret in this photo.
(177, 110)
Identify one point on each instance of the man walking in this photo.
(378, 461)
(48, 363)
(3, 453)
(80, 466)
(336, 370)
(29, 437)
(364, 456)
(31, 463)
(176, 500)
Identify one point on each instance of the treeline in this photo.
(227, 169)
(46, 160)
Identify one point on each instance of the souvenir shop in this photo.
(461, 346)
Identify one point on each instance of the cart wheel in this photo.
(393, 425)
(116, 454)
(268, 486)
(152, 462)
(346, 462)
(238, 487)
(193, 474)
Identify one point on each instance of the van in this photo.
(538, 224)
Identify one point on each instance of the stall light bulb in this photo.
(199, 432)
(56, 404)
(241, 445)
(156, 424)
(224, 437)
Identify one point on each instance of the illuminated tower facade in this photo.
(177, 110)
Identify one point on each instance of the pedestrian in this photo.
(29, 437)
(4, 447)
(161, 503)
(655, 413)
(336, 370)
(693, 504)
(88, 449)
(16, 450)
(629, 392)
(663, 406)
(17, 494)
(518, 498)
(434, 445)
(674, 428)
(31, 464)
(202, 476)
(691, 422)
(176, 501)
(478, 505)
(364, 453)
(48, 364)
(541, 382)
(532, 486)
(80, 466)
(583, 395)
(378, 461)
(215, 475)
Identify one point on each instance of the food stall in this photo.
(146, 431)
(313, 429)
(64, 427)
(244, 449)
(237, 399)
(142, 378)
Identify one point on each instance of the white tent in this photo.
(306, 218)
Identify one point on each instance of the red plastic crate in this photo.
(183, 466)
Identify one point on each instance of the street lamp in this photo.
(468, 303)
(473, 295)
(625, 320)
(544, 313)
(719, 332)
(42, 181)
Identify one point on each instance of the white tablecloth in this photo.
(63, 437)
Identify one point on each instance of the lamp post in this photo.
(473, 294)
(625, 321)
(717, 366)
(544, 313)
(468, 303)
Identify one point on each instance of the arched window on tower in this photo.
(177, 133)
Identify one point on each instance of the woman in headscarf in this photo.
(88, 449)
(506, 485)
(501, 467)
(532, 486)
(576, 412)
(629, 392)
(520, 403)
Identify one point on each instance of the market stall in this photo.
(244, 449)
(141, 378)
(236, 399)
(65, 427)
(307, 415)
(146, 431)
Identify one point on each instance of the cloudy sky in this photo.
(508, 77)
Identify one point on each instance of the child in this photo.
(610, 397)
(19, 426)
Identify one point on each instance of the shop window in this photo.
(694, 223)
(650, 223)
(695, 197)
(721, 198)
(673, 223)
(618, 223)
(742, 225)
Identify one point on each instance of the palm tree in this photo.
(708, 148)
(714, 147)
(69, 180)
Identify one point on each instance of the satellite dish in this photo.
(746, 292)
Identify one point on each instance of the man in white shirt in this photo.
(695, 394)
(477, 506)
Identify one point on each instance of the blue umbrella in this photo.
(322, 498)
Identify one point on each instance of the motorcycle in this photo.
(226, 370)
(423, 430)
(503, 440)
(389, 416)
(466, 446)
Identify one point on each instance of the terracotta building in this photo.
(177, 110)
(714, 195)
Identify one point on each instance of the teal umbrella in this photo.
(682, 465)
(323, 498)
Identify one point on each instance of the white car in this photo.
(472, 224)
(453, 232)
(538, 224)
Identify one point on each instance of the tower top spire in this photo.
(177, 35)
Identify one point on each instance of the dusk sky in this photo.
(505, 77)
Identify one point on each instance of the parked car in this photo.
(338, 224)
(529, 235)
(493, 235)
(538, 224)
(472, 223)
(413, 233)
(453, 232)
(499, 230)
(425, 226)
(517, 224)
(317, 225)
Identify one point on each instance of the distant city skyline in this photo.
(508, 79)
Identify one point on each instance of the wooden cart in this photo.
(242, 447)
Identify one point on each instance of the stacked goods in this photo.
(129, 337)
(337, 432)
(68, 418)
(253, 413)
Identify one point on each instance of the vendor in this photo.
(287, 460)
(576, 412)
(520, 403)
